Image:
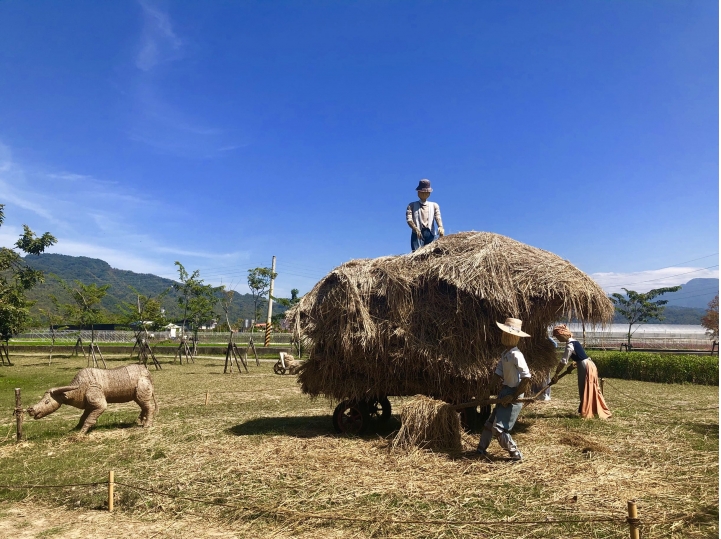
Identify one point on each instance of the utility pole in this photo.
(270, 304)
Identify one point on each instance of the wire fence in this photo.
(661, 340)
(128, 337)
(632, 520)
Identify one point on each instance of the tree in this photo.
(16, 278)
(259, 284)
(54, 317)
(710, 319)
(197, 299)
(639, 308)
(145, 313)
(287, 303)
(291, 301)
(86, 309)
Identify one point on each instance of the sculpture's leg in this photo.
(83, 419)
(96, 404)
(144, 399)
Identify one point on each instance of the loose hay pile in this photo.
(424, 323)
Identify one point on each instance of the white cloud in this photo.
(204, 254)
(643, 281)
(159, 43)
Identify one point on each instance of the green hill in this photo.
(672, 314)
(93, 270)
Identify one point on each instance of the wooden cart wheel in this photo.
(278, 369)
(468, 419)
(351, 417)
(380, 409)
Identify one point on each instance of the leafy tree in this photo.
(145, 313)
(197, 299)
(639, 308)
(16, 278)
(710, 319)
(54, 317)
(86, 307)
(226, 300)
(287, 303)
(259, 284)
(292, 300)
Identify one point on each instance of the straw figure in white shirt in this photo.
(512, 371)
(423, 217)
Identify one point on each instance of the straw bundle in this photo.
(429, 424)
(424, 323)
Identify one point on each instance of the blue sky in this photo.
(223, 133)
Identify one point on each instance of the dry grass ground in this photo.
(267, 458)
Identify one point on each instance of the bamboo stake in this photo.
(207, 397)
(633, 520)
(105, 366)
(19, 413)
(270, 304)
(111, 489)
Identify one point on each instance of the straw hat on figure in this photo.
(423, 216)
(589, 392)
(512, 371)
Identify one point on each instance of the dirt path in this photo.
(29, 520)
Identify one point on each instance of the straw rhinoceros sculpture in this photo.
(92, 389)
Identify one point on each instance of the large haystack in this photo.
(424, 323)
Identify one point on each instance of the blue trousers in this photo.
(427, 237)
(501, 422)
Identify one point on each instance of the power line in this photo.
(687, 261)
(669, 276)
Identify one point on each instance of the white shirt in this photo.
(422, 214)
(569, 350)
(512, 367)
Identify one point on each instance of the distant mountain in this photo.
(672, 315)
(93, 270)
(696, 294)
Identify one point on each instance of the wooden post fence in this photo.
(19, 413)
(632, 520)
(111, 490)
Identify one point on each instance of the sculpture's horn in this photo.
(63, 389)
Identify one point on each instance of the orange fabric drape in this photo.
(593, 402)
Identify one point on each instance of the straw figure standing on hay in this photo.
(592, 401)
(422, 216)
(513, 372)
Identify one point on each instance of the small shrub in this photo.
(654, 367)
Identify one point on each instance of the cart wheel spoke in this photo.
(351, 417)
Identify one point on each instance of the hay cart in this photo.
(352, 416)
(424, 323)
(287, 364)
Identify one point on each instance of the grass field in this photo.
(267, 462)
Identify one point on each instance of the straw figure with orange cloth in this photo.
(592, 401)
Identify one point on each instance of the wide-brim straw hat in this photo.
(512, 326)
(424, 186)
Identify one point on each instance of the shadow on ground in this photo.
(306, 427)
(705, 429)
